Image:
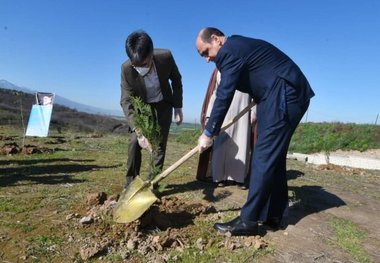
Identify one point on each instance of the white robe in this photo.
(231, 149)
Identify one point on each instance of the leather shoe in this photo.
(238, 227)
(273, 223)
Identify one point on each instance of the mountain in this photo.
(4, 84)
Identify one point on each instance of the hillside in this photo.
(15, 107)
(4, 84)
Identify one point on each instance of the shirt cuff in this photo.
(207, 133)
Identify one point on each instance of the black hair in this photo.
(208, 32)
(139, 46)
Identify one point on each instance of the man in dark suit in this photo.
(282, 94)
(152, 75)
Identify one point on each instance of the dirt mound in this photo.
(159, 231)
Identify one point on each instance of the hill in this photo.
(15, 107)
(4, 84)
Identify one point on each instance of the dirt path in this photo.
(320, 195)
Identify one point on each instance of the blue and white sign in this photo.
(39, 119)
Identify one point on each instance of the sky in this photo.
(75, 48)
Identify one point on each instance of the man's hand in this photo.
(204, 142)
(143, 141)
(178, 116)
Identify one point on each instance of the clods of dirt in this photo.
(10, 148)
(172, 212)
(14, 148)
(158, 231)
(341, 169)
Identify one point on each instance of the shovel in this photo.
(138, 196)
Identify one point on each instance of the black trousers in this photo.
(277, 118)
(164, 115)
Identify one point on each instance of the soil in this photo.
(318, 196)
(306, 234)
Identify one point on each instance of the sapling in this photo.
(146, 123)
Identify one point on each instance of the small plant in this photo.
(145, 121)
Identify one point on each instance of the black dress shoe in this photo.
(238, 227)
(273, 223)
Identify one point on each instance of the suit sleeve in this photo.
(125, 102)
(176, 83)
(230, 67)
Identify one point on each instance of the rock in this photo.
(86, 253)
(132, 244)
(86, 220)
(155, 239)
(200, 244)
(71, 216)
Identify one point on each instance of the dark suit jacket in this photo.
(132, 84)
(253, 66)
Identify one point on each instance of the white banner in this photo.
(39, 119)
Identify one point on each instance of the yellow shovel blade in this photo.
(136, 185)
(134, 201)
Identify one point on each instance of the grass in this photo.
(309, 137)
(327, 137)
(350, 238)
(216, 254)
(45, 241)
(44, 246)
(7, 205)
(38, 191)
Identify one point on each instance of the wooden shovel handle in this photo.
(195, 149)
